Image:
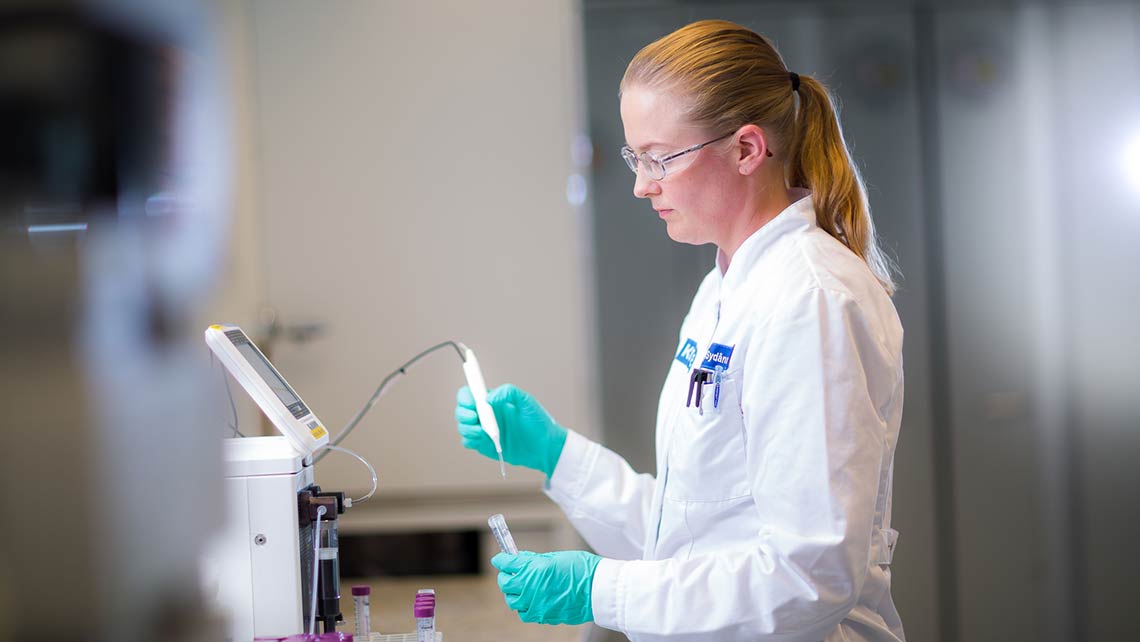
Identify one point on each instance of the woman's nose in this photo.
(644, 186)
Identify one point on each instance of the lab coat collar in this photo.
(797, 216)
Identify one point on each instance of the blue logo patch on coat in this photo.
(718, 355)
(688, 353)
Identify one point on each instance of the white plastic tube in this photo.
(316, 565)
(486, 414)
(349, 503)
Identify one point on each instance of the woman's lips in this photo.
(664, 213)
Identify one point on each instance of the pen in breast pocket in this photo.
(718, 374)
(697, 380)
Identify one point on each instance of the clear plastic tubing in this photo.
(361, 602)
(502, 534)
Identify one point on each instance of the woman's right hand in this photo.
(528, 434)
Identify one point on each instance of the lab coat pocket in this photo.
(883, 546)
(706, 456)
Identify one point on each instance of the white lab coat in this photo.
(770, 515)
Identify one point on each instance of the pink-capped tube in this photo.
(362, 605)
(424, 612)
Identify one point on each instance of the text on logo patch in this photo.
(717, 355)
(688, 353)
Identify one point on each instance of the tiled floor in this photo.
(469, 608)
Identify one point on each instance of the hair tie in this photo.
(795, 78)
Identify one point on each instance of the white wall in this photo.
(409, 170)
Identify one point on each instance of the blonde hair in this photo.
(731, 76)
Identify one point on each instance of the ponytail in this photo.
(819, 161)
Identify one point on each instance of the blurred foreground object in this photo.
(112, 205)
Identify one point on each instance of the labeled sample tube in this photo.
(361, 602)
(424, 612)
(498, 526)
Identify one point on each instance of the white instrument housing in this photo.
(276, 398)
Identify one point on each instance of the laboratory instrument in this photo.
(361, 602)
(276, 398)
(502, 534)
(276, 562)
(486, 413)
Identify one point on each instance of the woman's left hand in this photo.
(548, 588)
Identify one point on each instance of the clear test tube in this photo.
(361, 602)
(498, 526)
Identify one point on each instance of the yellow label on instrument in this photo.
(215, 327)
(318, 432)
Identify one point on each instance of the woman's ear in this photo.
(753, 146)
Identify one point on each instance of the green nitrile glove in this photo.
(528, 434)
(548, 588)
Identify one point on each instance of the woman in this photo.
(770, 514)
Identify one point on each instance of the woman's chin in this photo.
(675, 231)
(680, 234)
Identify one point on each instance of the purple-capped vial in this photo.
(424, 612)
(361, 603)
